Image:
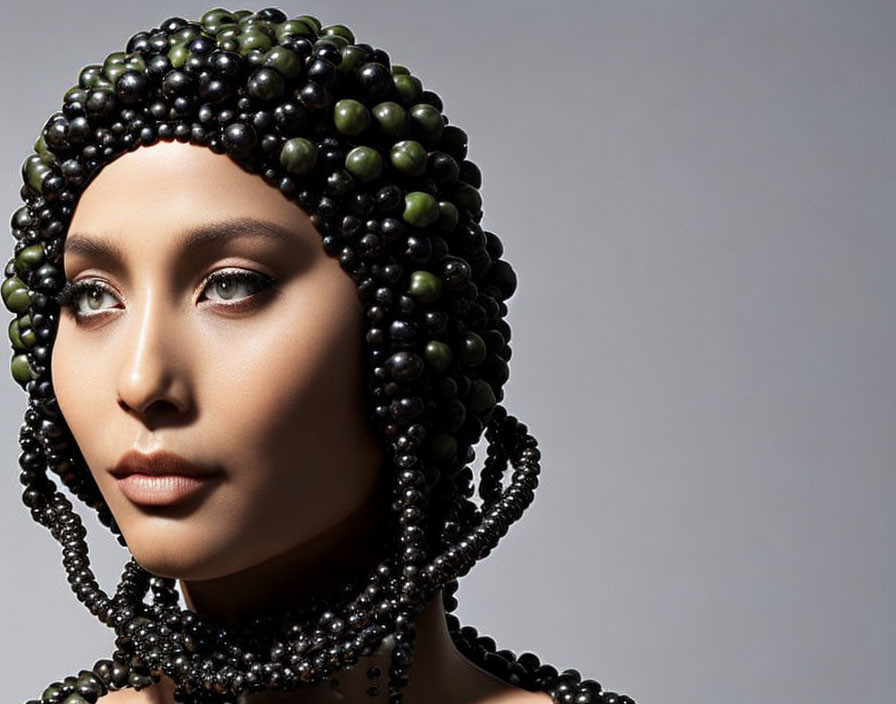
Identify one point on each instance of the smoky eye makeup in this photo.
(228, 288)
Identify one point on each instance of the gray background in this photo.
(699, 200)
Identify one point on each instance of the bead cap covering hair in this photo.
(359, 144)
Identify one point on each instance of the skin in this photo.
(267, 392)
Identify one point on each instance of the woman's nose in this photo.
(152, 380)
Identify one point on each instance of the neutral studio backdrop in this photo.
(699, 200)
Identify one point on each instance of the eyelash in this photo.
(70, 293)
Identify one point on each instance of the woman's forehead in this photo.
(175, 187)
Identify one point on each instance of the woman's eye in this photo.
(92, 292)
(235, 284)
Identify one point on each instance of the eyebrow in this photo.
(202, 236)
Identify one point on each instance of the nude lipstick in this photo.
(160, 478)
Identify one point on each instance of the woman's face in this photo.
(257, 380)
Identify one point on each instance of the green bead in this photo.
(51, 693)
(438, 354)
(13, 283)
(21, 369)
(34, 170)
(399, 70)
(178, 55)
(350, 117)
(420, 209)
(28, 338)
(287, 62)
(448, 217)
(311, 21)
(352, 56)
(429, 120)
(24, 322)
(230, 31)
(293, 28)
(30, 257)
(43, 151)
(482, 397)
(136, 63)
(333, 40)
(18, 300)
(473, 350)
(115, 58)
(254, 39)
(338, 30)
(468, 197)
(14, 335)
(240, 14)
(425, 286)
(391, 118)
(298, 155)
(216, 15)
(408, 87)
(409, 157)
(184, 35)
(364, 163)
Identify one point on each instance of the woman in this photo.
(289, 443)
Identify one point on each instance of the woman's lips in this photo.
(162, 489)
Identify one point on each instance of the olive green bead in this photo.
(21, 369)
(136, 63)
(287, 62)
(338, 30)
(35, 171)
(425, 286)
(51, 693)
(333, 40)
(420, 209)
(14, 335)
(468, 197)
(352, 56)
(409, 157)
(227, 32)
(184, 35)
(29, 257)
(391, 118)
(28, 338)
(116, 58)
(473, 350)
(178, 55)
(293, 28)
(350, 117)
(482, 397)
(43, 151)
(298, 155)
(438, 354)
(399, 70)
(429, 120)
(254, 39)
(212, 19)
(239, 14)
(12, 283)
(18, 300)
(408, 87)
(448, 217)
(364, 163)
(311, 21)
(24, 322)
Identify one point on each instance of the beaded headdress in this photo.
(366, 151)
